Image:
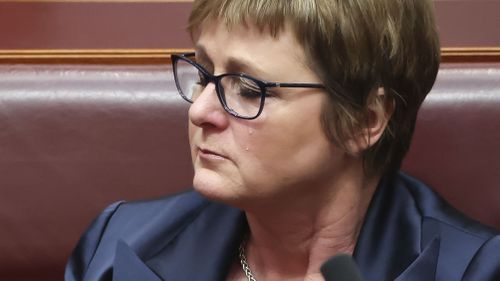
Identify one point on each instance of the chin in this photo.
(216, 187)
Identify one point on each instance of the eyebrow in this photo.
(202, 56)
(232, 65)
(238, 65)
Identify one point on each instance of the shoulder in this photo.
(170, 210)
(126, 219)
(466, 245)
(437, 211)
(143, 225)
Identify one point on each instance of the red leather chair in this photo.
(456, 143)
(73, 139)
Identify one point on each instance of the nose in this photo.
(206, 110)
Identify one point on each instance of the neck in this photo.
(291, 238)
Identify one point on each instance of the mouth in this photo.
(210, 154)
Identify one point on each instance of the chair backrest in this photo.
(73, 139)
(76, 138)
(456, 143)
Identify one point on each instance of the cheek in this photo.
(248, 140)
(286, 139)
(263, 146)
(245, 134)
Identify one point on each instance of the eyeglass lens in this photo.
(242, 96)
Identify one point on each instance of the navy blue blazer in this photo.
(409, 233)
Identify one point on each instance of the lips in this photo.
(207, 153)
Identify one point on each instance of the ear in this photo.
(380, 108)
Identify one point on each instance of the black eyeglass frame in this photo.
(263, 85)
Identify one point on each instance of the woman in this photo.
(291, 172)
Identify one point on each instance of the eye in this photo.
(202, 79)
(248, 89)
(250, 94)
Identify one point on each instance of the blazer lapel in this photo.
(424, 267)
(129, 267)
(205, 249)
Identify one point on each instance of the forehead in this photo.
(275, 56)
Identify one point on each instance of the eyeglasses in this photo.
(241, 95)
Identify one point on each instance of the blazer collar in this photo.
(389, 246)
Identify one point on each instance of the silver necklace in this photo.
(244, 263)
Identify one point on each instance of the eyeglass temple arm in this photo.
(191, 54)
(336, 87)
(294, 85)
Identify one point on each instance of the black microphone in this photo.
(341, 267)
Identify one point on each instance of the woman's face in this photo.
(284, 150)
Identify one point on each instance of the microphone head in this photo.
(341, 267)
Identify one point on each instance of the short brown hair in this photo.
(355, 47)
